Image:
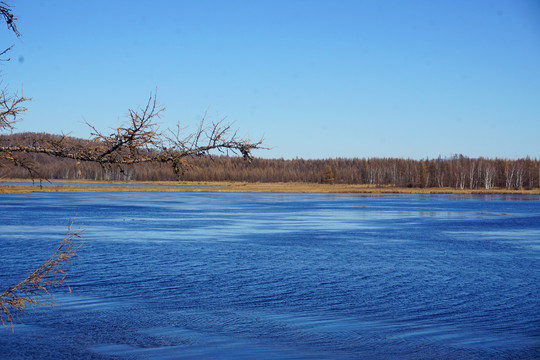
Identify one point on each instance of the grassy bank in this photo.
(168, 186)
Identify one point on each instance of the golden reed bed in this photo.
(168, 186)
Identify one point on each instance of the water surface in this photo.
(185, 275)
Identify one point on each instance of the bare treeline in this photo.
(458, 172)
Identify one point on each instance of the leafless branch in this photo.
(5, 52)
(140, 141)
(35, 290)
(9, 18)
(11, 107)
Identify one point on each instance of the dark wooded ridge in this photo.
(458, 171)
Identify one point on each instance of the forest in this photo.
(458, 171)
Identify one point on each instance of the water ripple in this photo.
(280, 276)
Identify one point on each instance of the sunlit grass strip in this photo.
(228, 186)
(35, 290)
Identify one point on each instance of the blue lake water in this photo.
(281, 276)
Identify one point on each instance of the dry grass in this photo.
(35, 290)
(256, 187)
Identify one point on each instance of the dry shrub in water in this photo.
(35, 290)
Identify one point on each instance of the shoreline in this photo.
(225, 186)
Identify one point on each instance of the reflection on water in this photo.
(183, 275)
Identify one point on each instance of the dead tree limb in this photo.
(7, 16)
(139, 141)
(35, 290)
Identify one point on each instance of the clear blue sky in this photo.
(317, 79)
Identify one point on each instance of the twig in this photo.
(35, 290)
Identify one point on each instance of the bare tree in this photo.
(509, 172)
(489, 176)
(439, 172)
(459, 171)
(139, 141)
(472, 174)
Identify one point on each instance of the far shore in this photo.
(197, 186)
